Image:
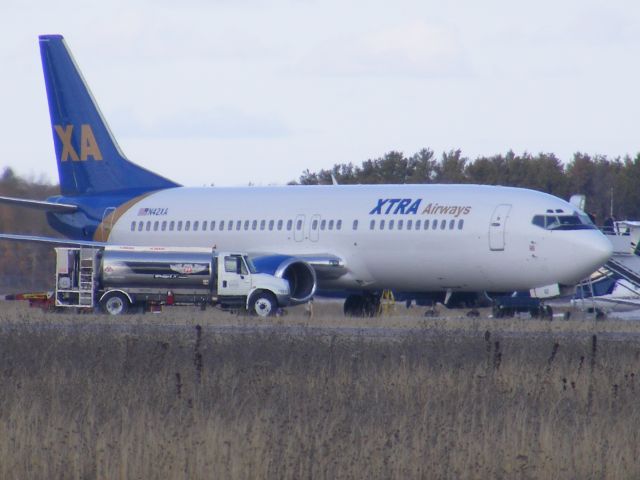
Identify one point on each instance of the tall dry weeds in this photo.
(151, 403)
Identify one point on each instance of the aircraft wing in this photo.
(39, 204)
(51, 240)
(327, 266)
(615, 301)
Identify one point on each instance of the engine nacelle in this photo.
(300, 275)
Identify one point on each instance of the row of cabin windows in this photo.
(417, 224)
(329, 224)
(279, 225)
(196, 225)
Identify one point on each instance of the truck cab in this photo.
(238, 281)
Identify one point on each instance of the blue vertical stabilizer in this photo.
(89, 159)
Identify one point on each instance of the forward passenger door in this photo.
(497, 227)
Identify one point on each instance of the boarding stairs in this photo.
(626, 267)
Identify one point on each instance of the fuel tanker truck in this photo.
(118, 279)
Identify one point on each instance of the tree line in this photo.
(611, 185)
(25, 266)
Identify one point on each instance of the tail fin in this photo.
(89, 159)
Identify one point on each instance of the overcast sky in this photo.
(235, 91)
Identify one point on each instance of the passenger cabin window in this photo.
(391, 222)
(372, 224)
(330, 225)
(140, 226)
(230, 225)
(254, 225)
(460, 224)
(164, 225)
(400, 224)
(299, 225)
(212, 227)
(156, 225)
(187, 225)
(339, 225)
(179, 225)
(381, 224)
(172, 225)
(196, 224)
(133, 226)
(221, 225)
(314, 225)
(246, 224)
(289, 225)
(418, 222)
(280, 225)
(238, 224)
(204, 225)
(443, 224)
(355, 224)
(271, 223)
(452, 223)
(323, 224)
(262, 224)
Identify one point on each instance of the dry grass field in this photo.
(451, 398)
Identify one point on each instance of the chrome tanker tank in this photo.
(170, 269)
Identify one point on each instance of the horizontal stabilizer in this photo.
(39, 205)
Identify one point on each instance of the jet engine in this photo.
(300, 274)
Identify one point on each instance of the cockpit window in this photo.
(575, 221)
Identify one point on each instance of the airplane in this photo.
(356, 240)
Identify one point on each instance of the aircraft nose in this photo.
(592, 254)
(601, 250)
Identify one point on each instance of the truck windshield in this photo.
(250, 265)
(576, 221)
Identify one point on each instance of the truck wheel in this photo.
(263, 304)
(115, 304)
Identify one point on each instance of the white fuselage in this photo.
(478, 237)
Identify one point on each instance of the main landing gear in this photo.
(365, 305)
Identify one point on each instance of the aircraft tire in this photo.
(354, 306)
(371, 306)
(115, 303)
(548, 312)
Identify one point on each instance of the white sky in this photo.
(237, 91)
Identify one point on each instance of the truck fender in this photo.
(124, 292)
(252, 292)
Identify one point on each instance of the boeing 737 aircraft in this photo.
(357, 240)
